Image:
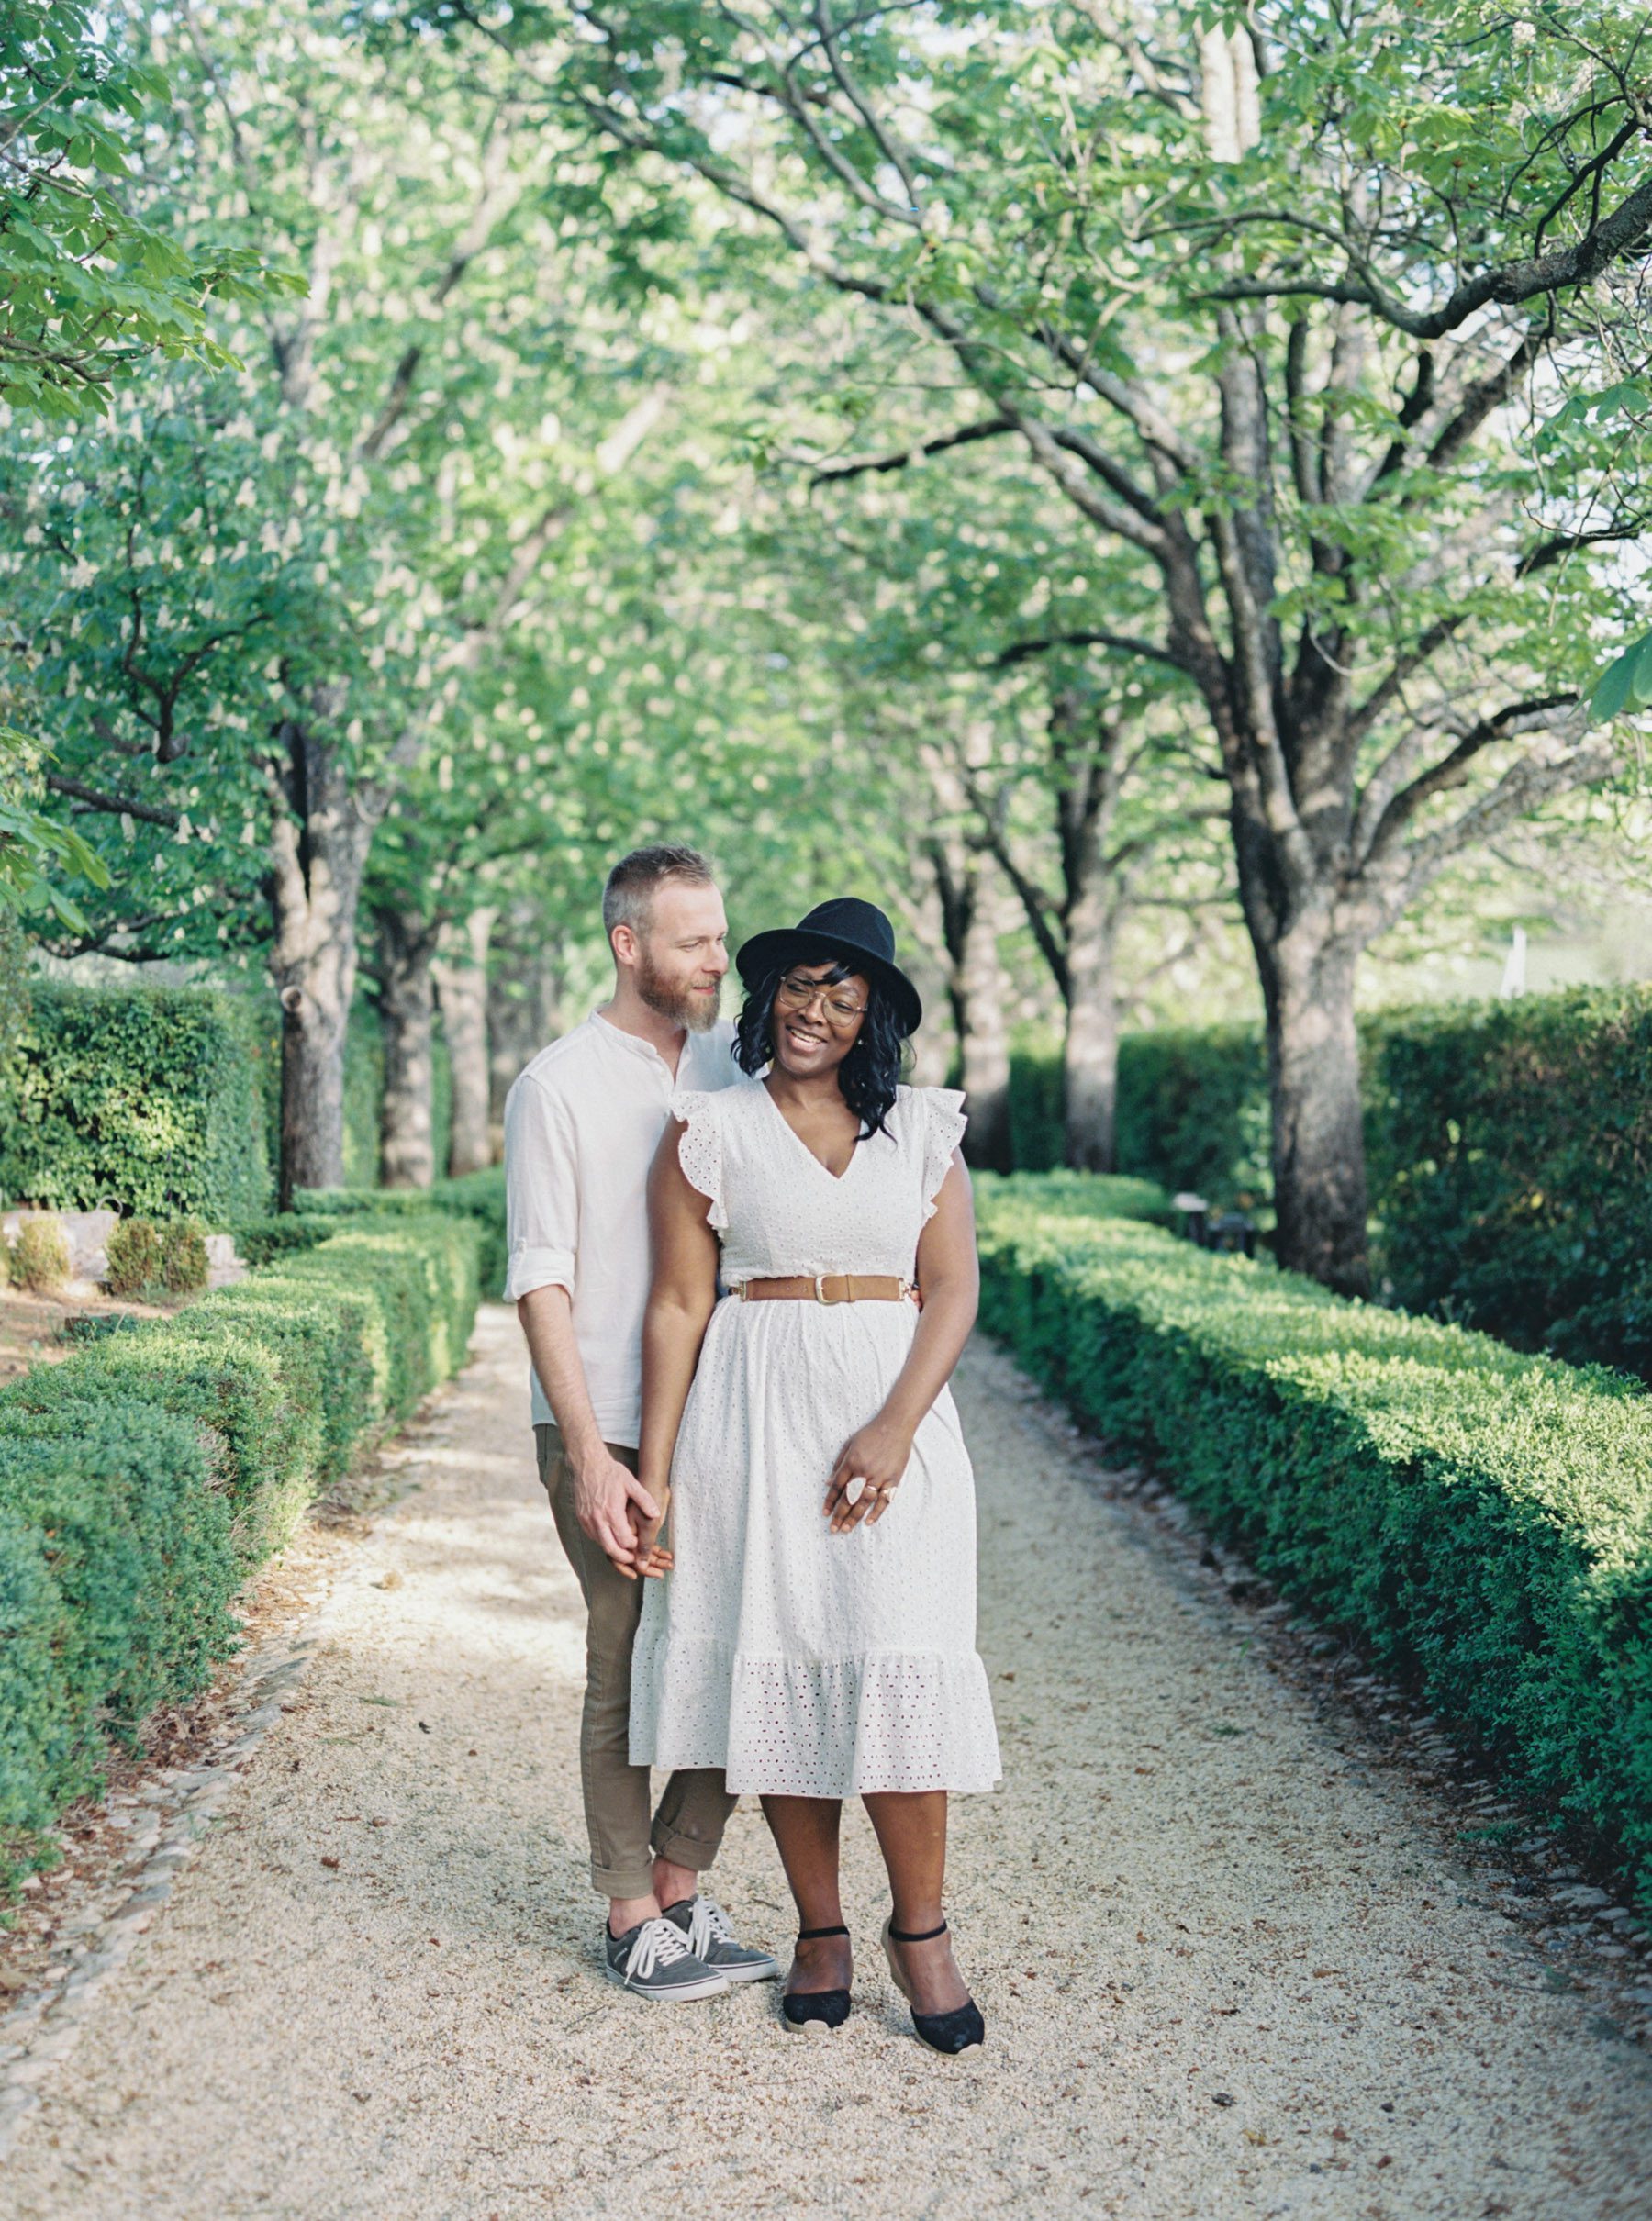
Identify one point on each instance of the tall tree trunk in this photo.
(977, 990)
(318, 851)
(979, 996)
(461, 991)
(525, 1011)
(1090, 1052)
(1319, 1170)
(407, 1009)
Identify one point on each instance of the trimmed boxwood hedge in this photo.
(1191, 1110)
(143, 1098)
(116, 1569)
(1508, 1146)
(479, 1196)
(1482, 1519)
(1510, 1152)
(145, 1476)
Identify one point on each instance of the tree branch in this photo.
(1122, 643)
(986, 428)
(114, 805)
(1522, 787)
(1530, 277)
(1536, 715)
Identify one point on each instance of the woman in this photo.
(816, 1637)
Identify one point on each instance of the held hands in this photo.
(876, 1457)
(614, 1510)
(651, 1560)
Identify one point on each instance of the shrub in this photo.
(1507, 1147)
(230, 1386)
(134, 1258)
(97, 1326)
(1037, 1111)
(183, 1257)
(1482, 1519)
(143, 1477)
(140, 1098)
(117, 1571)
(260, 1241)
(476, 1195)
(40, 1260)
(1192, 1111)
(1510, 1145)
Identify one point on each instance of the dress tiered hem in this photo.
(816, 1728)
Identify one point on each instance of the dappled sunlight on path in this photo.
(1225, 1968)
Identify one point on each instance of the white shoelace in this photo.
(660, 1943)
(709, 1925)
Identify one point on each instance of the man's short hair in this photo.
(628, 896)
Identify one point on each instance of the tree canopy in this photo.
(1105, 476)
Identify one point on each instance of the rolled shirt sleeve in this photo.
(541, 1191)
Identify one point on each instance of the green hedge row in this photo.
(477, 1196)
(1192, 1111)
(146, 1474)
(166, 1101)
(1509, 1147)
(1482, 1519)
(1511, 1153)
(144, 1098)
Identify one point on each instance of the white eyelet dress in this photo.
(804, 1663)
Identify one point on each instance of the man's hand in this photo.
(610, 1504)
(876, 1457)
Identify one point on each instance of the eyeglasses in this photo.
(795, 994)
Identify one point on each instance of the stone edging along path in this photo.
(1235, 1959)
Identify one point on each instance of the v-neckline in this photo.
(837, 1178)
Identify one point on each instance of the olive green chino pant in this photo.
(689, 1826)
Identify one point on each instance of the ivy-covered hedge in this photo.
(146, 1474)
(1482, 1519)
(144, 1098)
(477, 1196)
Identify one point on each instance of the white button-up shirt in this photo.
(582, 1124)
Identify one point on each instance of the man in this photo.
(582, 1125)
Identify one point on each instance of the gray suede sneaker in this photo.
(653, 1959)
(710, 1938)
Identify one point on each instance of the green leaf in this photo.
(1618, 683)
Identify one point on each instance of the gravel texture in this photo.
(1227, 1965)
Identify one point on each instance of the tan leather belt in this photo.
(829, 1288)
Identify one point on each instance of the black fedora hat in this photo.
(847, 930)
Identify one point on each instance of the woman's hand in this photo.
(877, 1457)
(651, 1560)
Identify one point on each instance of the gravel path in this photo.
(1227, 1968)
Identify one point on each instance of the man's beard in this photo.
(680, 1006)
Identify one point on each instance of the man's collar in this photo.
(633, 1042)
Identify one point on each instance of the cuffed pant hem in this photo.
(628, 1881)
(683, 1850)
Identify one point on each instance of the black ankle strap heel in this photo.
(948, 2033)
(807, 2010)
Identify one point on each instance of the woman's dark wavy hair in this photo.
(871, 1072)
